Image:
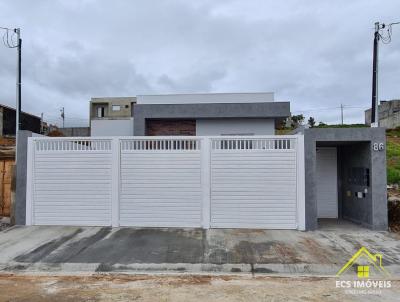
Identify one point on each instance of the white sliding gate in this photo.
(253, 183)
(160, 183)
(217, 182)
(69, 182)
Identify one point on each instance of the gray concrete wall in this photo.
(112, 127)
(353, 208)
(211, 111)
(337, 137)
(20, 194)
(389, 115)
(75, 131)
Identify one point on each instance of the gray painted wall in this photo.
(353, 208)
(339, 136)
(210, 111)
(389, 115)
(75, 131)
(111, 127)
(20, 194)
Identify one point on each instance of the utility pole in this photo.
(341, 112)
(9, 43)
(386, 39)
(41, 123)
(62, 115)
(375, 105)
(18, 105)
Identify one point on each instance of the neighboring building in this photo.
(7, 121)
(189, 114)
(389, 114)
(111, 116)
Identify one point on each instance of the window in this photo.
(116, 107)
(363, 271)
(100, 111)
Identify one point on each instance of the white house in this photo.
(188, 114)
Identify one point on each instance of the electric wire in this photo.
(387, 38)
(8, 40)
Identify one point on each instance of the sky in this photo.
(315, 54)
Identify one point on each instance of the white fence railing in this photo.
(166, 170)
(240, 143)
(159, 144)
(67, 144)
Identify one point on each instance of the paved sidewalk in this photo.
(99, 249)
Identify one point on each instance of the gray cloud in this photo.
(316, 54)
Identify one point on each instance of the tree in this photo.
(297, 120)
(311, 122)
(322, 124)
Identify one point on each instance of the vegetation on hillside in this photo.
(323, 125)
(393, 156)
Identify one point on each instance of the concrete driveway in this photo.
(90, 249)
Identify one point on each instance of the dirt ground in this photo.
(394, 209)
(179, 288)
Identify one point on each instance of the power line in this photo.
(8, 39)
(331, 108)
(388, 38)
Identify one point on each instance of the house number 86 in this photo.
(378, 146)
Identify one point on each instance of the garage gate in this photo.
(217, 182)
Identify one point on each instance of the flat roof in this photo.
(207, 98)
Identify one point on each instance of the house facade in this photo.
(189, 114)
(203, 161)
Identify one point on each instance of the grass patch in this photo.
(393, 156)
(343, 126)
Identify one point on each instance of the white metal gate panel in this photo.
(71, 182)
(160, 183)
(253, 183)
(232, 182)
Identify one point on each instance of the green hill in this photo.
(393, 156)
